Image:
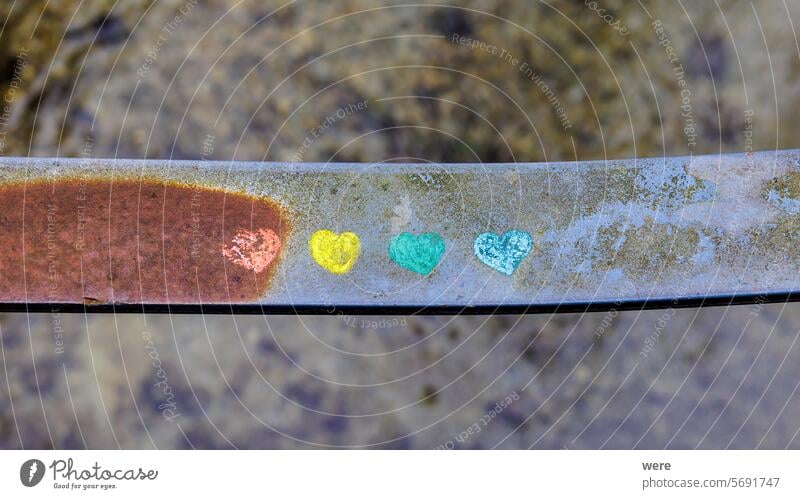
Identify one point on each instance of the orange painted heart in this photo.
(253, 250)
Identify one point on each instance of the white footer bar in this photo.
(401, 474)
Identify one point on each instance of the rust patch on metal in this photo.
(126, 241)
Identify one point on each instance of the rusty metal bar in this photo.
(190, 236)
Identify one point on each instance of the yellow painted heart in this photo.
(334, 252)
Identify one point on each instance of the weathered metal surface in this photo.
(617, 233)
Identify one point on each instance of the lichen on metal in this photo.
(602, 231)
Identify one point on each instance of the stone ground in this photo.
(248, 80)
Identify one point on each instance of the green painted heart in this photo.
(418, 254)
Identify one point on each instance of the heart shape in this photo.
(253, 250)
(418, 254)
(503, 253)
(334, 252)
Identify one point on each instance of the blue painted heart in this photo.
(503, 253)
(418, 254)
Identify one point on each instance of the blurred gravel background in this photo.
(249, 80)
